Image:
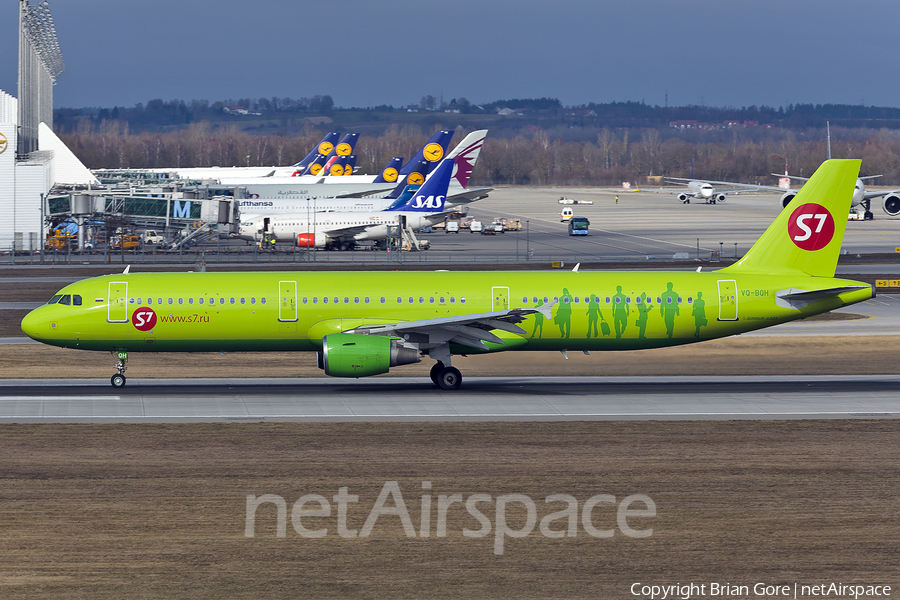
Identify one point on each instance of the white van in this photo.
(452, 227)
(475, 227)
(566, 214)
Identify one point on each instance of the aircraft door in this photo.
(728, 306)
(500, 298)
(287, 301)
(117, 302)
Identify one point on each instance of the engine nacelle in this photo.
(786, 199)
(355, 355)
(682, 197)
(892, 205)
(312, 240)
(720, 197)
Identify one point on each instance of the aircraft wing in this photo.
(869, 195)
(739, 186)
(366, 192)
(466, 330)
(470, 195)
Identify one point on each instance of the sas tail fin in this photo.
(808, 233)
(391, 171)
(430, 197)
(432, 152)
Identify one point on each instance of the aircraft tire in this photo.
(435, 370)
(449, 378)
(117, 380)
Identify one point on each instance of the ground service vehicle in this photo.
(451, 227)
(476, 227)
(151, 237)
(578, 226)
(364, 323)
(566, 214)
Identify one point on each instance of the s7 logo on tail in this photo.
(811, 227)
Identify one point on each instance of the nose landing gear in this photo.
(118, 380)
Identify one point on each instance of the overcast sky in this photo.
(366, 53)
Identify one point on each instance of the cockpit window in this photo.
(76, 300)
(55, 299)
(67, 300)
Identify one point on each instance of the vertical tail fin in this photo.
(416, 178)
(430, 197)
(465, 154)
(324, 147)
(808, 233)
(391, 171)
(432, 152)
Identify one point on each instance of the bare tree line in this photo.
(534, 158)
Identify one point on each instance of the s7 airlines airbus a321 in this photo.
(364, 323)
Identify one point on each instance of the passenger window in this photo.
(54, 299)
(546, 299)
(244, 301)
(150, 301)
(337, 300)
(412, 300)
(679, 299)
(367, 299)
(658, 300)
(690, 299)
(462, 300)
(199, 300)
(431, 300)
(627, 299)
(304, 300)
(221, 300)
(170, 301)
(131, 301)
(190, 300)
(576, 299)
(535, 299)
(181, 301)
(382, 300)
(139, 301)
(315, 299)
(252, 300)
(356, 300)
(230, 300)
(452, 299)
(347, 300)
(607, 299)
(325, 300)
(67, 300)
(159, 301)
(565, 299)
(443, 300)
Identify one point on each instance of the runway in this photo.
(481, 399)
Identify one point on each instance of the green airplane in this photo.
(364, 323)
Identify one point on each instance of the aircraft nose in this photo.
(31, 325)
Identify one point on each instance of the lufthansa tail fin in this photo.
(324, 148)
(433, 152)
(807, 235)
(430, 197)
(391, 171)
(415, 178)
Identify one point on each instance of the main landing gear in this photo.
(446, 378)
(118, 380)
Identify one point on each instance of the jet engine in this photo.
(682, 197)
(312, 240)
(720, 197)
(786, 199)
(354, 355)
(892, 205)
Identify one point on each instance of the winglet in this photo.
(127, 269)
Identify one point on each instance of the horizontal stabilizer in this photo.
(797, 299)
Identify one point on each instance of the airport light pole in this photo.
(527, 240)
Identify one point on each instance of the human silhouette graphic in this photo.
(564, 314)
(643, 308)
(699, 313)
(620, 312)
(668, 308)
(593, 314)
(538, 320)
